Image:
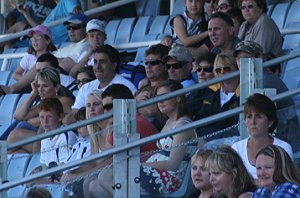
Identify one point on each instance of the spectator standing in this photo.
(259, 27)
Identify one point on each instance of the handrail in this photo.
(137, 143)
(61, 21)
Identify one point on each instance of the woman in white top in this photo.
(261, 121)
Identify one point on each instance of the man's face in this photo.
(219, 32)
(103, 68)
(76, 32)
(178, 71)
(155, 68)
(41, 65)
(96, 38)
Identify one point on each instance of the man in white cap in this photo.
(95, 30)
(179, 64)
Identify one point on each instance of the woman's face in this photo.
(200, 175)
(81, 79)
(223, 6)
(39, 42)
(94, 106)
(46, 89)
(264, 170)
(166, 106)
(251, 11)
(210, 6)
(221, 181)
(257, 124)
(193, 6)
(204, 71)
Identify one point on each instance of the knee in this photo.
(13, 136)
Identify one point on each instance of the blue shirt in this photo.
(284, 190)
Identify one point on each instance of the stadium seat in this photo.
(280, 13)
(34, 162)
(4, 77)
(17, 166)
(157, 27)
(17, 191)
(124, 31)
(179, 7)
(293, 15)
(291, 71)
(270, 9)
(13, 64)
(181, 192)
(141, 28)
(111, 31)
(148, 8)
(291, 41)
(8, 105)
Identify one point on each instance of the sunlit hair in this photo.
(51, 105)
(225, 59)
(227, 160)
(48, 74)
(260, 103)
(284, 168)
(201, 153)
(173, 85)
(94, 129)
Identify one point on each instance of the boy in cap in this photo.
(95, 30)
(179, 65)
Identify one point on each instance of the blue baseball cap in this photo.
(77, 19)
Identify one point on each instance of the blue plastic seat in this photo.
(291, 41)
(291, 72)
(17, 166)
(8, 105)
(183, 190)
(124, 31)
(17, 191)
(157, 27)
(34, 162)
(4, 77)
(141, 28)
(148, 8)
(111, 31)
(179, 7)
(280, 13)
(293, 15)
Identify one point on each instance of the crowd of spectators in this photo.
(80, 81)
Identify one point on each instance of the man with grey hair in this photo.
(179, 65)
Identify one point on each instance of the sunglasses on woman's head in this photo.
(224, 69)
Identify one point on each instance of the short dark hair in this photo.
(262, 104)
(48, 57)
(80, 114)
(51, 104)
(111, 52)
(159, 49)
(236, 13)
(38, 192)
(225, 17)
(208, 57)
(117, 91)
(88, 70)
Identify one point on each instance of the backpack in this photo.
(132, 73)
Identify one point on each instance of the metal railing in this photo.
(130, 145)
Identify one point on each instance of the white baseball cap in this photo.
(96, 24)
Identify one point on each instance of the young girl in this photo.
(41, 39)
(190, 28)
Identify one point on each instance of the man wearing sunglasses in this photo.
(221, 32)
(179, 65)
(288, 121)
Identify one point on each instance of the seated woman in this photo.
(277, 174)
(228, 175)
(200, 175)
(46, 85)
(261, 121)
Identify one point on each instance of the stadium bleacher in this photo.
(149, 26)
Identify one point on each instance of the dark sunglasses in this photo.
(224, 69)
(223, 6)
(175, 65)
(77, 27)
(83, 81)
(153, 63)
(108, 107)
(208, 69)
(249, 7)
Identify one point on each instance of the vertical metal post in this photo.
(251, 76)
(126, 171)
(3, 166)
(3, 6)
(172, 3)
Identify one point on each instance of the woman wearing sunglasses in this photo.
(259, 27)
(225, 96)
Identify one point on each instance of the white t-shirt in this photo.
(241, 148)
(73, 50)
(90, 61)
(87, 88)
(27, 62)
(57, 149)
